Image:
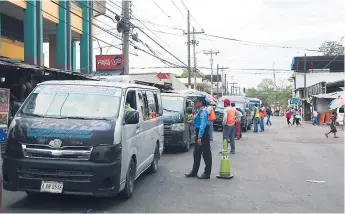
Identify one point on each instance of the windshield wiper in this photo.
(170, 110)
(83, 118)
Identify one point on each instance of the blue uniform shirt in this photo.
(200, 120)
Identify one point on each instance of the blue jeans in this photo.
(210, 123)
(262, 125)
(268, 122)
(255, 123)
(229, 134)
(316, 120)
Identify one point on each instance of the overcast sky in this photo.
(293, 23)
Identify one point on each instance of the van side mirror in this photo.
(189, 110)
(132, 117)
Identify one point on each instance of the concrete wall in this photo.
(313, 78)
(322, 105)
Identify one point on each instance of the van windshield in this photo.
(239, 105)
(73, 101)
(172, 103)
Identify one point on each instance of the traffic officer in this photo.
(202, 146)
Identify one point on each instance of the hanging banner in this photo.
(4, 109)
(110, 63)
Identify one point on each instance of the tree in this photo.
(269, 93)
(185, 73)
(331, 48)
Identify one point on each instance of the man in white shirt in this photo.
(316, 117)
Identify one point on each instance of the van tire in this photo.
(154, 165)
(127, 192)
(186, 147)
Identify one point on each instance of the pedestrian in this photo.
(288, 116)
(202, 147)
(239, 115)
(269, 114)
(229, 127)
(262, 114)
(256, 116)
(316, 117)
(298, 117)
(332, 125)
(211, 118)
(294, 112)
(190, 121)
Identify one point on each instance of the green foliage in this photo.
(331, 48)
(270, 94)
(185, 73)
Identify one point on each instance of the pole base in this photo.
(225, 177)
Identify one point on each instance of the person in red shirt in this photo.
(288, 116)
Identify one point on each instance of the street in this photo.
(270, 170)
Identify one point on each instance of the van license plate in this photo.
(51, 187)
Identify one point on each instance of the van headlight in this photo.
(177, 127)
(106, 153)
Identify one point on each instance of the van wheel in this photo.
(127, 192)
(187, 146)
(154, 165)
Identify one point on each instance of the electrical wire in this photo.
(178, 8)
(165, 13)
(257, 43)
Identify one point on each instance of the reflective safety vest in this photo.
(212, 115)
(257, 115)
(231, 115)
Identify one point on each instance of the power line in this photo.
(257, 43)
(178, 8)
(165, 13)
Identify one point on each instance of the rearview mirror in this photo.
(132, 117)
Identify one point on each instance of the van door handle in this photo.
(138, 126)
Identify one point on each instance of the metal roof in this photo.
(96, 83)
(334, 63)
(333, 95)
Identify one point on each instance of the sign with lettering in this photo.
(4, 110)
(109, 63)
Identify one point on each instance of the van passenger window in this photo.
(145, 109)
(158, 102)
(131, 100)
(151, 104)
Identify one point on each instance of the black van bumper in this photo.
(78, 177)
(174, 138)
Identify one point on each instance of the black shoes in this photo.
(204, 176)
(192, 175)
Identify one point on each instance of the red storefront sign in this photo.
(109, 62)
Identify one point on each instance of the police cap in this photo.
(199, 98)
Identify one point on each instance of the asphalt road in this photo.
(271, 170)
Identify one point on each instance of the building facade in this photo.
(26, 25)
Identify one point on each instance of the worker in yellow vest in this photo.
(256, 117)
(211, 118)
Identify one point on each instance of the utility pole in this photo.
(188, 45)
(211, 53)
(274, 76)
(194, 43)
(225, 84)
(232, 87)
(125, 34)
(305, 86)
(222, 69)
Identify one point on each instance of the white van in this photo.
(81, 137)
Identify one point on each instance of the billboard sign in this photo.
(4, 110)
(110, 63)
